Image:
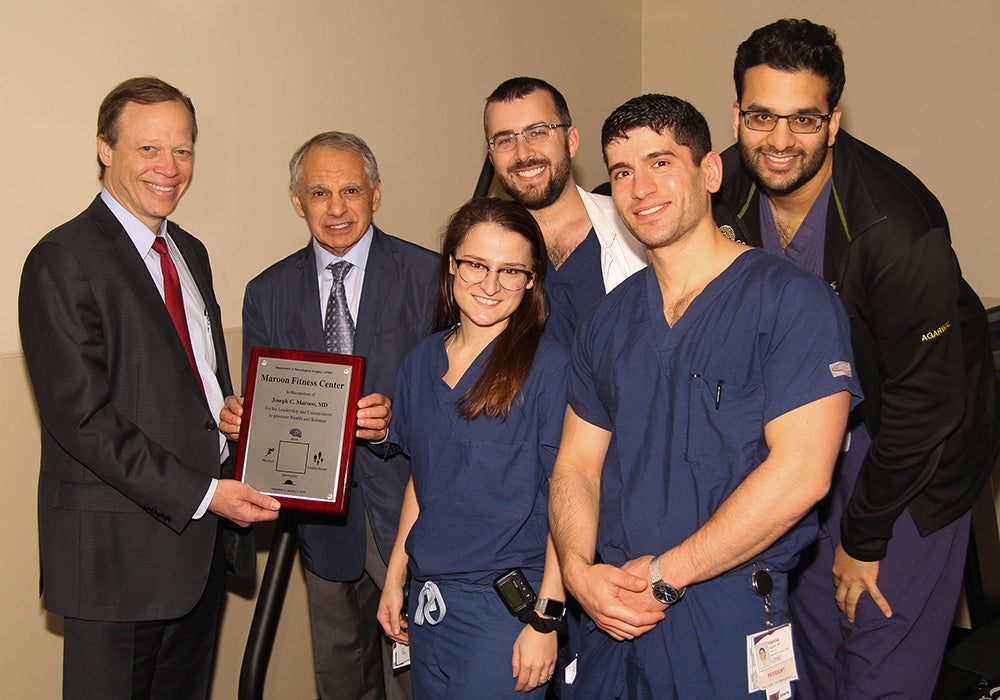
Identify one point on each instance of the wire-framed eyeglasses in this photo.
(507, 140)
(513, 279)
(797, 123)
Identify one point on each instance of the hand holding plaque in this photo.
(297, 432)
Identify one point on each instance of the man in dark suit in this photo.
(122, 336)
(304, 302)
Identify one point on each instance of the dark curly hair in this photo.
(659, 112)
(793, 45)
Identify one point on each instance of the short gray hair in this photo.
(342, 142)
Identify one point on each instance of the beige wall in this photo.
(409, 77)
(908, 64)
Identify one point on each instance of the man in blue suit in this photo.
(298, 303)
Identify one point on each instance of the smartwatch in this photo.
(663, 591)
(551, 609)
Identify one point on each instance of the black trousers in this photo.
(148, 660)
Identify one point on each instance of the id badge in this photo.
(771, 662)
(400, 655)
(569, 675)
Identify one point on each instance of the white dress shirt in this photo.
(195, 311)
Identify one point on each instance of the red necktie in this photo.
(175, 302)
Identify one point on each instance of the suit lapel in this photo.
(307, 300)
(136, 275)
(381, 275)
(202, 275)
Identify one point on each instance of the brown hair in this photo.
(519, 88)
(510, 362)
(146, 90)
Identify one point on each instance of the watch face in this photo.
(667, 595)
(550, 608)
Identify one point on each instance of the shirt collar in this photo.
(357, 255)
(142, 237)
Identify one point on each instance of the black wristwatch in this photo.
(552, 609)
(663, 591)
(546, 616)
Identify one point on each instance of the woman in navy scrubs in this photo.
(479, 408)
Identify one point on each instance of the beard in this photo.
(785, 182)
(537, 197)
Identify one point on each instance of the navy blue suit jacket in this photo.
(281, 309)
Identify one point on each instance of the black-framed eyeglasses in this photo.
(797, 123)
(507, 140)
(513, 279)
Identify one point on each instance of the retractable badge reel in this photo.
(763, 585)
(771, 663)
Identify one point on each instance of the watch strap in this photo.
(655, 574)
(657, 582)
(541, 624)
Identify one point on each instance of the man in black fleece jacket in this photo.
(896, 522)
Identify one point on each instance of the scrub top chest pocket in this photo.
(725, 414)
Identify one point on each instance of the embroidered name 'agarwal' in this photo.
(935, 333)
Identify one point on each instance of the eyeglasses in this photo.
(513, 279)
(536, 133)
(797, 123)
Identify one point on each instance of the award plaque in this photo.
(300, 414)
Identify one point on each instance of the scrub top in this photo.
(807, 246)
(573, 288)
(482, 485)
(806, 250)
(687, 405)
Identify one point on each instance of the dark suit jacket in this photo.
(281, 309)
(129, 444)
